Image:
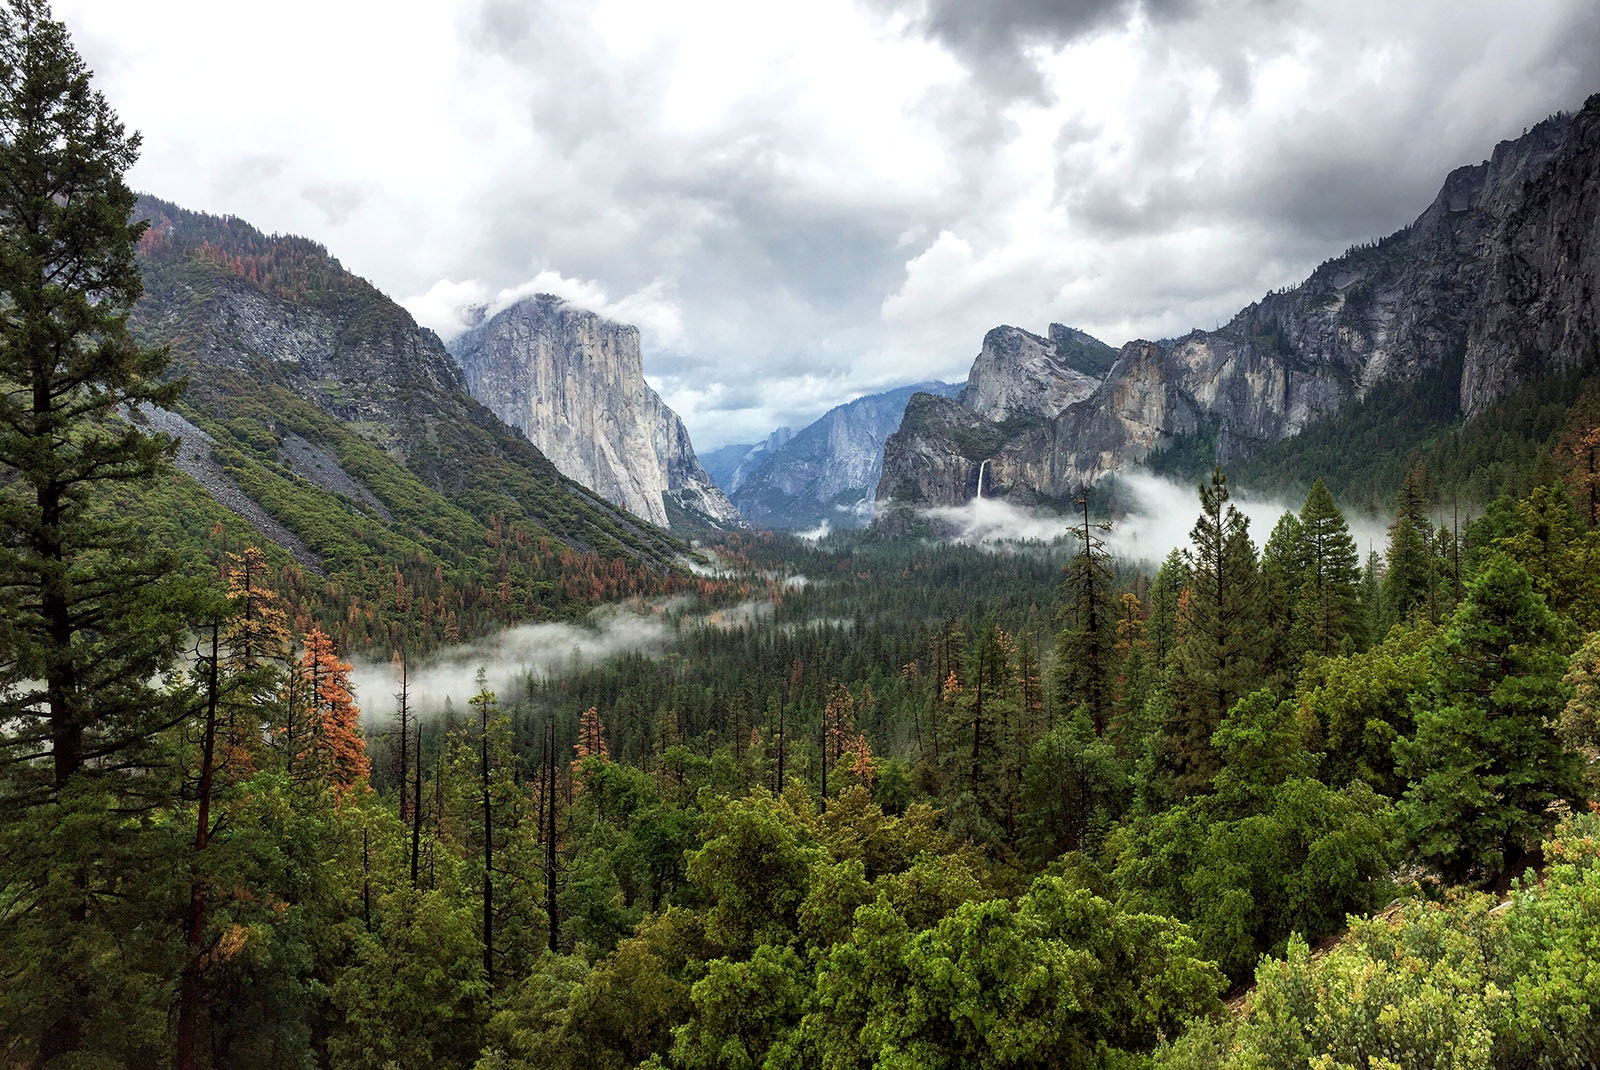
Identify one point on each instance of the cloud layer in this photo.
(1157, 515)
(843, 195)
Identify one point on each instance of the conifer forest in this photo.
(459, 764)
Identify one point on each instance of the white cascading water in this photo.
(981, 468)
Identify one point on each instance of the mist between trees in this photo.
(543, 651)
(1154, 517)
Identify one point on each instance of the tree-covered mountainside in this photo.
(1364, 449)
(319, 417)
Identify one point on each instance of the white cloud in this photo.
(449, 307)
(799, 202)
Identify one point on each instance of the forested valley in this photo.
(864, 801)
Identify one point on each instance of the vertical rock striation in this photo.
(573, 383)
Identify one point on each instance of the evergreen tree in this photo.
(1283, 578)
(90, 618)
(1409, 575)
(1329, 609)
(1579, 726)
(1214, 662)
(1486, 763)
(256, 638)
(87, 628)
(1084, 650)
(1073, 788)
(1171, 579)
(1372, 604)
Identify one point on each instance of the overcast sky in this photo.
(801, 203)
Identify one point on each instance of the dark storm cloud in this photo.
(992, 36)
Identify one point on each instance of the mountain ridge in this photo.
(829, 469)
(1499, 278)
(322, 419)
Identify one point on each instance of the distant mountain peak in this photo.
(829, 469)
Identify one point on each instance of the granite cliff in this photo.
(573, 383)
(325, 418)
(829, 470)
(1496, 283)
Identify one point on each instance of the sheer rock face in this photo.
(573, 383)
(1496, 282)
(829, 470)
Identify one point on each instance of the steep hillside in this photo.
(573, 383)
(829, 470)
(320, 414)
(1495, 285)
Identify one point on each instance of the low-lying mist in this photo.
(1156, 516)
(544, 650)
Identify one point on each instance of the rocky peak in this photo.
(573, 383)
(829, 470)
(1496, 282)
(1017, 373)
(1082, 351)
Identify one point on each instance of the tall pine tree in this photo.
(89, 621)
(1486, 761)
(1329, 608)
(1086, 647)
(1215, 661)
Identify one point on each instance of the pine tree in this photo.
(1171, 579)
(1283, 579)
(256, 637)
(1030, 688)
(1329, 609)
(90, 618)
(1372, 602)
(1214, 663)
(1485, 763)
(87, 631)
(402, 731)
(1410, 572)
(331, 723)
(1085, 649)
(591, 737)
(484, 702)
(1579, 726)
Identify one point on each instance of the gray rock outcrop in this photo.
(573, 383)
(1497, 282)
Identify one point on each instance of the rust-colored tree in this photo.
(256, 638)
(858, 760)
(591, 737)
(333, 715)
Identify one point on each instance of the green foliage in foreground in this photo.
(1469, 983)
(851, 938)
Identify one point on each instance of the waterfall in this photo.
(981, 468)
